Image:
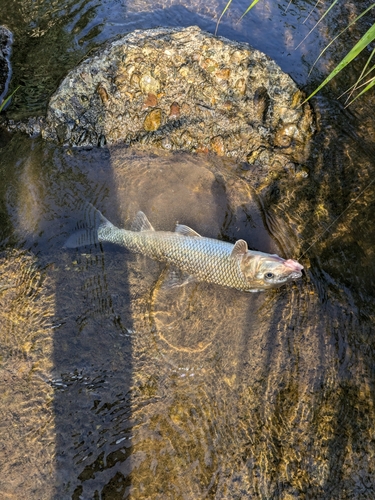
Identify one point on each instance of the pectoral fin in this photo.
(141, 223)
(176, 278)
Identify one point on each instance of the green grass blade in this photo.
(343, 31)
(248, 9)
(357, 82)
(361, 76)
(367, 38)
(368, 87)
(221, 15)
(5, 101)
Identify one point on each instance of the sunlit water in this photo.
(112, 387)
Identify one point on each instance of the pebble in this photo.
(153, 120)
(151, 101)
(174, 110)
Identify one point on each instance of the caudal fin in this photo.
(93, 223)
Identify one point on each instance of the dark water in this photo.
(114, 388)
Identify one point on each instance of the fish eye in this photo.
(269, 275)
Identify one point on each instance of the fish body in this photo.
(197, 257)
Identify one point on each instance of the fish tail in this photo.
(95, 226)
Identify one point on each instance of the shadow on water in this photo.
(179, 339)
(93, 346)
(90, 365)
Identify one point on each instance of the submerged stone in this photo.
(225, 96)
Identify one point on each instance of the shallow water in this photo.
(112, 387)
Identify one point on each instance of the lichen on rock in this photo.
(183, 89)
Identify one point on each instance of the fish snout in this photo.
(293, 265)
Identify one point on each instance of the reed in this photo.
(7, 99)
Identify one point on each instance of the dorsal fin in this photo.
(186, 231)
(141, 223)
(239, 249)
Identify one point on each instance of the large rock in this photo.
(183, 89)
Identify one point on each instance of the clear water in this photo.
(114, 388)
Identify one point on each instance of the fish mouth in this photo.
(295, 266)
(295, 275)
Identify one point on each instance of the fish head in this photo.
(263, 271)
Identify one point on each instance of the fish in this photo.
(192, 257)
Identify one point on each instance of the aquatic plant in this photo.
(364, 80)
(7, 99)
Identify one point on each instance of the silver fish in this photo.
(196, 257)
